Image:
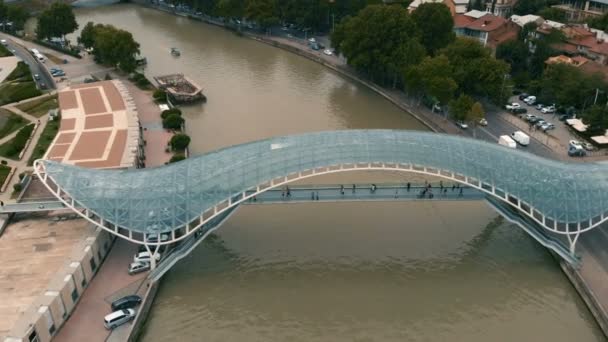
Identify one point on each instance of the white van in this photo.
(118, 318)
(521, 138)
(143, 257)
(506, 140)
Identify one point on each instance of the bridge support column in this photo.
(572, 242)
(152, 257)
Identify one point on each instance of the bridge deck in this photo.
(300, 194)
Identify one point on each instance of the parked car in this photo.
(521, 138)
(126, 302)
(519, 110)
(529, 117)
(3, 42)
(547, 126)
(328, 52)
(483, 122)
(576, 151)
(138, 267)
(565, 117)
(462, 124)
(530, 100)
(522, 96)
(118, 318)
(547, 110)
(143, 257)
(588, 146)
(512, 106)
(539, 106)
(540, 123)
(312, 40)
(37, 77)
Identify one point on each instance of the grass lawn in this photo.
(22, 73)
(10, 122)
(46, 138)
(17, 91)
(40, 107)
(4, 171)
(13, 147)
(4, 51)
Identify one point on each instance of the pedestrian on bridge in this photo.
(341, 189)
(288, 192)
(317, 196)
(312, 195)
(396, 192)
(441, 185)
(453, 187)
(460, 193)
(373, 188)
(408, 186)
(354, 187)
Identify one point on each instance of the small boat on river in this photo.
(175, 52)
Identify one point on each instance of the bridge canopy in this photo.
(166, 198)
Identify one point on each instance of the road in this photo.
(45, 81)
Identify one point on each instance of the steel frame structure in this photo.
(63, 180)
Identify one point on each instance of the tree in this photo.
(597, 119)
(435, 75)
(18, 16)
(460, 108)
(87, 35)
(600, 23)
(173, 121)
(475, 115)
(177, 157)
(57, 21)
(436, 25)
(552, 13)
(532, 6)
(382, 59)
(262, 12)
(3, 12)
(179, 142)
(111, 46)
(514, 52)
(475, 70)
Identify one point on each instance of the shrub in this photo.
(17, 187)
(168, 112)
(177, 157)
(179, 142)
(140, 80)
(173, 121)
(21, 175)
(108, 77)
(22, 71)
(4, 162)
(159, 95)
(12, 148)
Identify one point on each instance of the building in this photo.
(99, 127)
(455, 6)
(578, 10)
(489, 29)
(500, 8)
(579, 41)
(523, 20)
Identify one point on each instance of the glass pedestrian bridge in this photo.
(178, 199)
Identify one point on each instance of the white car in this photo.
(462, 124)
(312, 40)
(483, 122)
(138, 267)
(3, 42)
(118, 318)
(144, 257)
(513, 105)
(153, 238)
(548, 110)
(328, 52)
(576, 144)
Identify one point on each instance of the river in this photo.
(335, 272)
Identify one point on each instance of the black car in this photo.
(126, 302)
(519, 110)
(523, 96)
(565, 117)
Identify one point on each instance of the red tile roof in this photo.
(485, 23)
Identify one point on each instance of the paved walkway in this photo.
(110, 283)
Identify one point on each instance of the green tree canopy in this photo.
(552, 13)
(262, 11)
(597, 119)
(568, 86)
(514, 52)
(111, 46)
(435, 78)
(57, 21)
(381, 41)
(436, 25)
(179, 142)
(18, 16)
(460, 107)
(173, 121)
(600, 23)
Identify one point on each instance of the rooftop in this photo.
(99, 127)
(488, 22)
(32, 251)
(523, 20)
